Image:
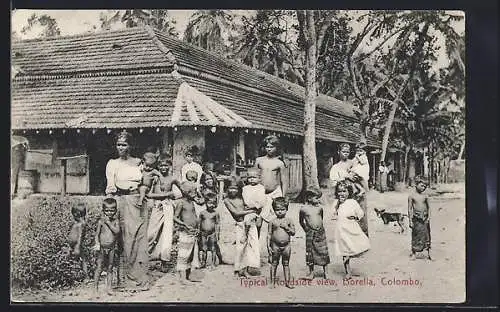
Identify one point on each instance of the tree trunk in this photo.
(310, 165)
(462, 149)
(388, 126)
(405, 170)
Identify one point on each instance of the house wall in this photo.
(42, 158)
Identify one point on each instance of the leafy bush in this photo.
(40, 255)
(39, 250)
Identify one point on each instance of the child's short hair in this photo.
(420, 179)
(191, 175)
(164, 157)
(192, 151)
(280, 202)
(313, 192)
(187, 186)
(109, 201)
(208, 166)
(345, 184)
(253, 172)
(273, 140)
(210, 195)
(80, 210)
(205, 176)
(342, 145)
(233, 182)
(149, 156)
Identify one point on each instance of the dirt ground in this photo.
(441, 280)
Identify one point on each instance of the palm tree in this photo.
(48, 24)
(158, 19)
(263, 43)
(207, 29)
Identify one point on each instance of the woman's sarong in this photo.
(134, 224)
(316, 247)
(420, 235)
(247, 254)
(160, 231)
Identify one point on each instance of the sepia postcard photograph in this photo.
(237, 156)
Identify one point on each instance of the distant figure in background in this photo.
(191, 164)
(383, 176)
(419, 215)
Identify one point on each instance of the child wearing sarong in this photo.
(418, 213)
(350, 240)
(246, 254)
(185, 216)
(311, 220)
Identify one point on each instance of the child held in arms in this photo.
(254, 198)
(149, 175)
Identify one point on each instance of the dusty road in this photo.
(441, 280)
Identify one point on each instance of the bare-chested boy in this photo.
(272, 174)
(185, 216)
(418, 213)
(106, 238)
(311, 220)
(160, 221)
(209, 230)
(164, 188)
(280, 230)
(77, 234)
(245, 254)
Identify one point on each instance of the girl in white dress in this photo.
(350, 240)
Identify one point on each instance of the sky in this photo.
(73, 22)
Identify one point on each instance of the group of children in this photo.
(199, 222)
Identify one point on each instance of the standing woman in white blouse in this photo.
(123, 176)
